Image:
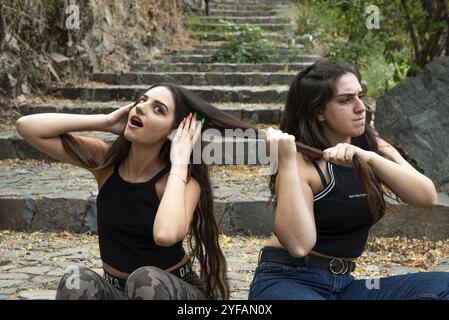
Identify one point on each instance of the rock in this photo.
(57, 272)
(373, 268)
(4, 262)
(414, 117)
(440, 268)
(38, 295)
(9, 283)
(8, 267)
(412, 222)
(14, 276)
(12, 43)
(240, 295)
(32, 270)
(59, 59)
(400, 270)
(10, 72)
(6, 293)
(22, 100)
(96, 262)
(108, 15)
(48, 282)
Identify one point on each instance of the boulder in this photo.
(414, 116)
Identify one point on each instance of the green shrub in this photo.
(244, 44)
(411, 35)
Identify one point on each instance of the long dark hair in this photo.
(203, 238)
(308, 95)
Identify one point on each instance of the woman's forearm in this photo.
(410, 185)
(49, 125)
(171, 224)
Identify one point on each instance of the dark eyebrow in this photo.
(350, 94)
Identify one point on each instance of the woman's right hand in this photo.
(117, 120)
(286, 146)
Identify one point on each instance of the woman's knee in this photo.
(79, 284)
(147, 283)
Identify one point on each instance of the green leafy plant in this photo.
(244, 44)
(254, 120)
(411, 34)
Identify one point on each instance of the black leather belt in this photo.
(336, 266)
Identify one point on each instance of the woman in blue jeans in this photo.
(332, 174)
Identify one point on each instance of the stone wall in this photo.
(40, 47)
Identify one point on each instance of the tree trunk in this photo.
(2, 27)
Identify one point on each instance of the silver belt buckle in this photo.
(344, 266)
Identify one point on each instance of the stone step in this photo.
(250, 2)
(252, 5)
(266, 3)
(241, 13)
(260, 113)
(206, 54)
(228, 27)
(219, 67)
(59, 197)
(232, 146)
(208, 49)
(233, 150)
(241, 94)
(257, 7)
(240, 20)
(207, 58)
(196, 78)
(275, 37)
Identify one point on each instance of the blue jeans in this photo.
(277, 281)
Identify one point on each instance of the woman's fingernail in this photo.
(190, 116)
(194, 116)
(183, 121)
(203, 121)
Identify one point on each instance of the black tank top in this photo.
(342, 214)
(125, 218)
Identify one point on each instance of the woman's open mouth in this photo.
(135, 122)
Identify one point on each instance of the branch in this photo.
(432, 47)
(411, 30)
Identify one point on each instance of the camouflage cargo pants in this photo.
(146, 283)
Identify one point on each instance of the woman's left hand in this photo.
(343, 154)
(183, 141)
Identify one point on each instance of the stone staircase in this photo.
(42, 196)
(37, 195)
(45, 195)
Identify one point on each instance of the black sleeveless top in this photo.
(342, 214)
(125, 219)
